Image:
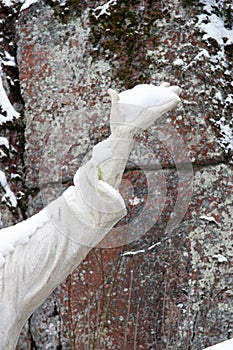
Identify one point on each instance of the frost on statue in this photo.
(37, 255)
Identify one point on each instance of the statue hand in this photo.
(138, 108)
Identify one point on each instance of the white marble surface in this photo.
(40, 255)
(226, 345)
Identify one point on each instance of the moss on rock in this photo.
(123, 35)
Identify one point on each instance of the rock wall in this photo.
(170, 285)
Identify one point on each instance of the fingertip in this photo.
(176, 89)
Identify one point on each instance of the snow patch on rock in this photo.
(5, 105)
(9, 196)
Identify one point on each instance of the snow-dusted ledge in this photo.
(36, 255)
(226, 345)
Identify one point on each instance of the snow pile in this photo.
(9, 196)
(26, 3)
(9, 60)
(18, 234)
(214, 28)
(179, 62)
(103, 9)
(221, 258)
(210, 219)
(134, 252)
(199, 57)
(5, 105)
(227, 134)
(135, 200)
(9, 114)
(215, 25)
(4, 142)
(10, 3)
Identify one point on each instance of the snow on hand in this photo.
(145, 96)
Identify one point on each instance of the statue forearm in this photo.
(53, 251)
(36, 257)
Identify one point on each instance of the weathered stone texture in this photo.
(168, 289)
(11, 157)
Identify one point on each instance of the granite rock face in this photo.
(12, 190)
(170, 287)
